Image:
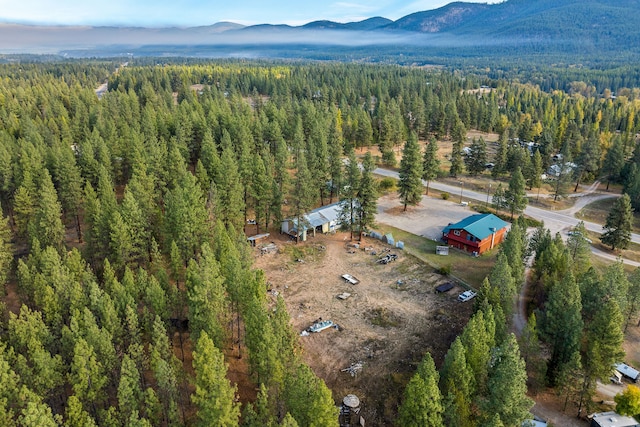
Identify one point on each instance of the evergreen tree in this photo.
(88, 377)
(530, 350)
(349, 196)
(6, 251)
(516, 196)
(335, 147)
(457, 385)
(602, 347)
(47, 224)
(514, 248)
(500, 161)
(563, 324)
(308, 399)
(502, 278)
(213, 395)
(478, 342)
(430, 162)
(498, 199)
(186, 217)
(367, 195)
(410, 186)
(588, 160)
(129, 391)
(206, 297)
(536, 171)
(613, 162)
(422, 404)
(476, 159)
(230, 191)
(456, 158)
(562, 175)
(617, 228)
(633, 297)
(303, 194)
(507, 386)
(579, 248)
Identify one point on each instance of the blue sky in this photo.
(157, 13)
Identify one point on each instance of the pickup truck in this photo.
(466, 296)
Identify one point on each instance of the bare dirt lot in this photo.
(391, 319)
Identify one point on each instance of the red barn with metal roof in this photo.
(476, 233)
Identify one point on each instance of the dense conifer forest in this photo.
(123, 218)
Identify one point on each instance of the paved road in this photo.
(555, 221)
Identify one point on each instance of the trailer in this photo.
(627, 371)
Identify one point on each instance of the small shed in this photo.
(253, 240)
(442, 250)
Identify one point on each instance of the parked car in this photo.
(577, 233)
(466, 296)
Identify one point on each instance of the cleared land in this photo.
(391, 319)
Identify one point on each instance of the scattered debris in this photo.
(343, 295)
(387, 259)
(349, 278)
(353, 369)
(300, 260)
(268, 249)
(320, 326)
(304, 333)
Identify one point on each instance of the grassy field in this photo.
(597, 212)
(471, 270)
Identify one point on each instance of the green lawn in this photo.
(463, 266)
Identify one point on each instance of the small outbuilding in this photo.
(476, 233)
(612, 419)
(324, 219)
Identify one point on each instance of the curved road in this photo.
(555, 221)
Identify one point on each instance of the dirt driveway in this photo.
(388, 323)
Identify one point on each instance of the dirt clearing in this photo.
(388, 323)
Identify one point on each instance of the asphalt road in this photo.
(555, 221)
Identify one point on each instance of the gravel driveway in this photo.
(427, 219)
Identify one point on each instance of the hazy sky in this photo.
(157, 13)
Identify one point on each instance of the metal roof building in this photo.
(612, 419)
(323, 220)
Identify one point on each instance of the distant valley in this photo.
(584, 30)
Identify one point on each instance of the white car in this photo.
(577, 233)
(466, 296)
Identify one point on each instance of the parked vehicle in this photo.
(466, 296)
(627, 371)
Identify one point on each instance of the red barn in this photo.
(476, 233)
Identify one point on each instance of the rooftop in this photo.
(479, 225)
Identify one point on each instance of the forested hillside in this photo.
(123, 223)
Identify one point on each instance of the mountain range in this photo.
(579, 27)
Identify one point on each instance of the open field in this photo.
(391, 320)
